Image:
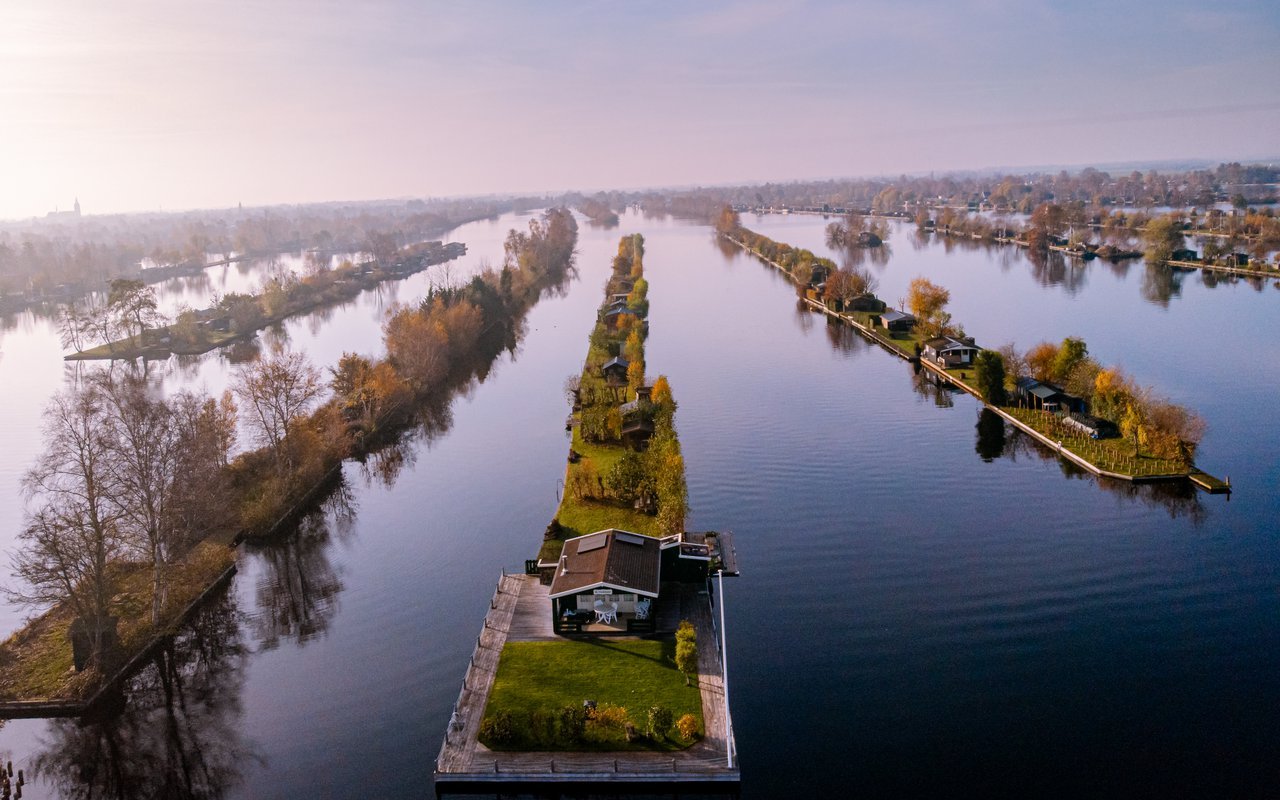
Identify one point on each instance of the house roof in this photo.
(944, 343)
(616, 361)
(615, 311)
(611, 558)
(1044, 391)
(893, 315)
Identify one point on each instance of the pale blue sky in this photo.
(143, 104)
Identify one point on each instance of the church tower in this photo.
(77, 207)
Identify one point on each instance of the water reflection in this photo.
(175, 730)
(1178, 499)
(298, 588)
(929, 386)
(1161, 283)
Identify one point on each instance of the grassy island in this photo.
(625, 471)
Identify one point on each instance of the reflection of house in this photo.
(610, 582)
(1045, 396)
(1090, 426)
(615, 369)
(895, 320)
(948, 352)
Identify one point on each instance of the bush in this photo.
(608, 719)
(660, 719)
(573, 723)
(688, 727)
(498, 728)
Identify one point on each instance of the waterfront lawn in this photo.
(541, 678)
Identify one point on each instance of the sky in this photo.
(153, 104)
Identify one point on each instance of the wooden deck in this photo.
(521, 611)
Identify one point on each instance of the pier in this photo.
(520, 610)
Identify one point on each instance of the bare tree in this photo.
(145, 445)
(74, 533)
(276, 390)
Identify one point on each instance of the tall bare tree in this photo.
(74, 532)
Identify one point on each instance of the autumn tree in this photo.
(1040, 360)
(1162, 236)
(927, 301)
(728, 222)
(276, 390)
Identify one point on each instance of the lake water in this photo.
(926, 608)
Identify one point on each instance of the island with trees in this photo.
(1097, 416)
(550, 689)
(138, 500)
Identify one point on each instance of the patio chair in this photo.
(642, 608)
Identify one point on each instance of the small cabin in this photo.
(1046, 397)
(949, 352)
(611, 581)
(615, 369)
(1184, 254)
(900, 321)
(614, 316)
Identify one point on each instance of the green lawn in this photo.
(544, 677)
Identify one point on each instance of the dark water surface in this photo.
(927, 608)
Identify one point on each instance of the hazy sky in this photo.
(142, 104)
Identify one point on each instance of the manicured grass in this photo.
(636, 675)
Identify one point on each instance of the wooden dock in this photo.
(521, 611)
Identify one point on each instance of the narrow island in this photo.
(138, 503)
(602, 663)
(1097, 417)
(130, 310)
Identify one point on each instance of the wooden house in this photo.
(949, 352)
(611, 581)
(900, 321)
(1046, 397)
(615, 369)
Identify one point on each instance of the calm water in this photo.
(926, 609)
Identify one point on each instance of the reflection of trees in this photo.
(299, 586)
(844, 338)
(991, 435)
(804, 316)
(174, 732)
(1177, 498)
(1161, 283)
(1055, 269)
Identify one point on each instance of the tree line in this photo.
(131, 478)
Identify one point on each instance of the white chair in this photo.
(611, 612)
(642, 608)
(601, 614)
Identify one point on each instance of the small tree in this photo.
(687, 651)
(660, 719)
(276, 390)
(989, 376)
(927, 301)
